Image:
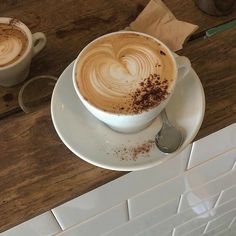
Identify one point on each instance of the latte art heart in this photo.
(113, 75)
(111, 72)
(13, 44)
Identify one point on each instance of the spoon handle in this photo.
(164, 117)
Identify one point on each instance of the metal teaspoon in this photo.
(169, 138)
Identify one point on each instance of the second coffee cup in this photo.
(18, 46)
(126, 78)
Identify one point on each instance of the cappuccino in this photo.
(125, 73)
(13, 44)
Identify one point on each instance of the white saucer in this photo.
(94, 142)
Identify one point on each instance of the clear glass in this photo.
(36, 92)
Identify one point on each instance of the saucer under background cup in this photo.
(96, 143)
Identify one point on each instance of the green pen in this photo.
(220, 28)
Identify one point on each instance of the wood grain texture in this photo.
(37, 172)
(70, 24)
(214, 60)
(189, 12)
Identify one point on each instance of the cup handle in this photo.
(39, 42)
(183, 65)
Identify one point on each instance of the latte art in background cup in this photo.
(126, 78)
(17, 47)
(13, 44)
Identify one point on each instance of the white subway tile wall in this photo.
(213, 145)
(179, 219)
(101, 223)
(206, 217)
(42, 225)
(225, 218)
(147, 220)
(192, 194)
(232, 225)
(195, 232)
(226, 232)
(227, 194)
(221, 226)
(119, 190)
(209, 189)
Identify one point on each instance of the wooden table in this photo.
(37, 172)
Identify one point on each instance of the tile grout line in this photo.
(173, 231)
(218, 199)
(56, 220)
(214, 228)
(206, 228)
(231, 223)
(164, 182)
(222, 231)
(234, 166)
(196, 228)
(127, 203)
(189, 158)
(88, 219)
(210, 211)
(128, 209)
(213, 157)
(128, 200)
(180, 202)
(222, 215)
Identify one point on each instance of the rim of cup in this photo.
(170, 54)
(26, 31)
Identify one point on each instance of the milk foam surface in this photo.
(113, 68)
(13, 43)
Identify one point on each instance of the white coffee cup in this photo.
(17, 71)
(129, 123)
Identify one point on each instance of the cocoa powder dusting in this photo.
(162, 53)
(14, 21)
(126, 153)
(150, 94)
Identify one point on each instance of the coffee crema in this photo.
(13, 44)
(125, 73)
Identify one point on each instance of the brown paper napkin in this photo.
(157, 20)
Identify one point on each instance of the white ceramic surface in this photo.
(226, 232)
(213, 145)
(169, 233)
(156, 196)
(96, 143)
(161, 228)
(221, 211)
(187, 184)
(94, 202)
(163, 200)
(196, 232)
(225, 218)
(210, 170)
(233, 223)
(228, 194)
(42, 225)
(100, 223)
(192, 200)
(18, 71)
(207, 190)
(134, 122)
(210, 176)
(145, 221)
(221, 226)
